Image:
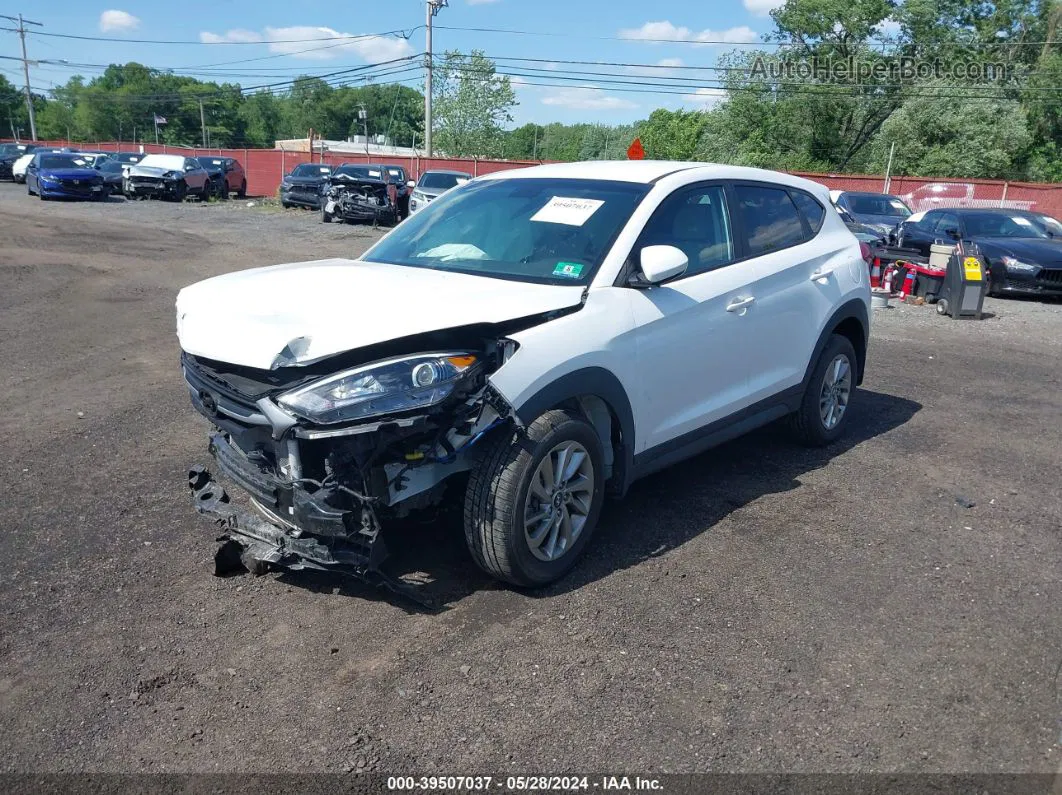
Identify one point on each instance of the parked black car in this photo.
(1046, 223)
(226, 175)
(111, 170)
(360, 193)
(9, 153)
(303, 186)
(396, 175)
(1021, 256)
(880, 211)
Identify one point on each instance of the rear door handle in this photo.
(822, 273)
(740, 303)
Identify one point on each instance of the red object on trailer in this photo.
(908, 284)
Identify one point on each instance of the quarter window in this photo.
(770, 218)
(812, 210)
(696, 221)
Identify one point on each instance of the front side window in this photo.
(947, 221)
(696, 221)
(998, 224)
(546, 231)
(770, 218)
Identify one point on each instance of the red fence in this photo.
(265, 167)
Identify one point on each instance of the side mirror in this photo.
(411, 184)
(660, 263)
(952, 232)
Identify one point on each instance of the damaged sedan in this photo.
(359, 193)
(529, 342)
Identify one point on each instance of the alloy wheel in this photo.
(558, 501)
(835, 392)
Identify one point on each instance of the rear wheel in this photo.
(532, 503)
(242, 192)
(823, 413)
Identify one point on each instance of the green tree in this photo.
(471, 102)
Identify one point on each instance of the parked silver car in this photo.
(169, 176)
(433, 184)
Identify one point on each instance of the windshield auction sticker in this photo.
(573, 212)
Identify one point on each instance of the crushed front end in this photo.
(351, 199)
(330, 454)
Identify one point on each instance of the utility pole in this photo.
(202, 123)
(888, 170)
(21, 30)
(363, 115)
(433, 7)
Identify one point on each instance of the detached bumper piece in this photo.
(255, 544)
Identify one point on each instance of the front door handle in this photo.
(739, 304)
(822, 273)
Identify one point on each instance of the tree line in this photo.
(1001, 126)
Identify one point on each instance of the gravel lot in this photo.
(893, 604)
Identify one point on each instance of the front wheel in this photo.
(326, 217)
(823, 413)
(180, 191)
(532, 503)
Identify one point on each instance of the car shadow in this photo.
(432, 562)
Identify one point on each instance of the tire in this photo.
(242, 192)
(942, 306)
(180, 191)
(497, 500)
(29, 190)
(326, 217)
(809, 424)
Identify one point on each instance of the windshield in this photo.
(211, 162)
(111, 167)
(14, 149)
(310, 170)
(439, 180)
(875, 204)
(396, 173)
(1000, 225)
(64, 161)
(358, 172)
(546, 231)
(1052, 226)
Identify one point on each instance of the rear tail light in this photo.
(866, 253)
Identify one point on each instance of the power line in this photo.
(405, 34)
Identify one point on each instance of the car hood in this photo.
(311, 182)
(68, 173)
(1036, 251)
(300, 313)
(149, 171)
(889, 221)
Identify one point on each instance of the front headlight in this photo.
(170, 175)
(1017, 266)
(420, 196)
(386, 387)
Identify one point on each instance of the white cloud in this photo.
(706, 97)
(669, 62)
(587, 98)
(237, 35)
(317, 43)
(666, 31)
(763, 8)
(118, 21)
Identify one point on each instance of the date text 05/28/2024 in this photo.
(523, 784)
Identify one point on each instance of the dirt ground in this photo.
(891, 604)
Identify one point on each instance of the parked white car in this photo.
(527, 343)
(432, 185)
(168, 176)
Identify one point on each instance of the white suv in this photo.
(527, 343)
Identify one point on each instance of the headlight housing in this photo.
(170, 175)
(1017, 266)
(393, 385)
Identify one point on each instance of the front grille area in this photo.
(252, 478)
(1051, 277)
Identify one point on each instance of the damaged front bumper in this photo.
(322, 494)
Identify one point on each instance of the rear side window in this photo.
(812, 210)
(769, 217)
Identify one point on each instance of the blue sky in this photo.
(278, 35)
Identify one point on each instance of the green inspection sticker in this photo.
(570, 269)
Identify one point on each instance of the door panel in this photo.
(688, 343)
